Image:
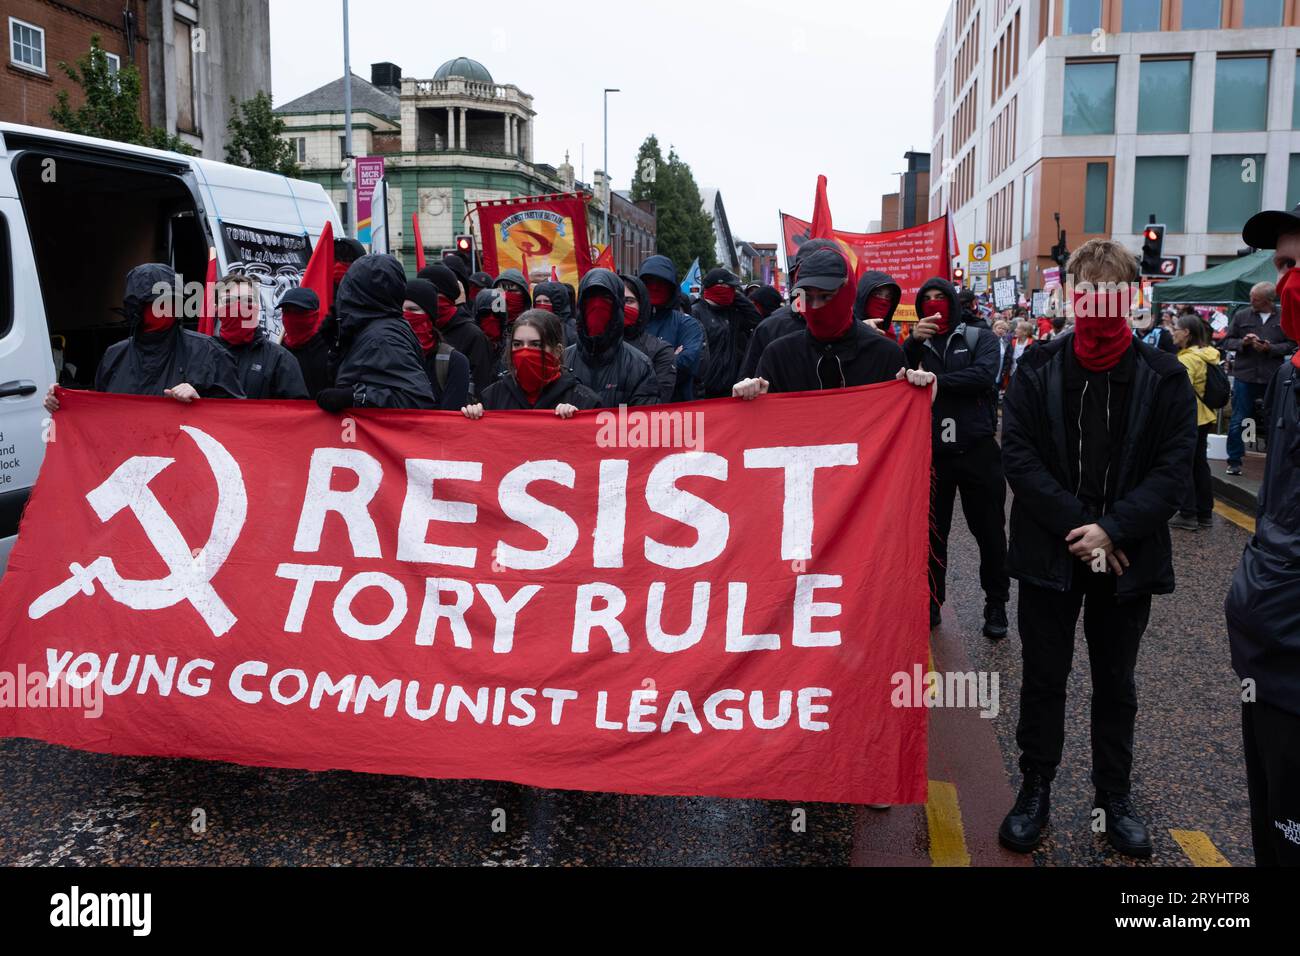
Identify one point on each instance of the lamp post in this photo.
(608, 191)
(347, 128)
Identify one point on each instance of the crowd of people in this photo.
(1103, 435)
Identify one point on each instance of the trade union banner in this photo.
(911, 256)
(532, 233)
(713, 598)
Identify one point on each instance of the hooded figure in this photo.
(871, 305)
(766, 300)
(560, 304)
(678, 328)
(346, 251)
(458, 329)
(382, 366)
(159, 354)
(266, 370)
(448, 370)
(831, 350)
(659, 352)
(970, 311)
(728, 320)
(618, 373)
(478, 281)
(305, 339)
(784, 319)
(459, 267)
(514, 287)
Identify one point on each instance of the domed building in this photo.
(449, 140)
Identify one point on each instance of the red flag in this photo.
(821, 220)
(419, 242)
(319, 274)
(555, 274)
(606, 259)
(208, 317)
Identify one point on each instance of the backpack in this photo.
(1217, 390)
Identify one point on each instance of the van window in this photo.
(6, 280)
(90, 225)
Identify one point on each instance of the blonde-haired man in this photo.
(1098, 435)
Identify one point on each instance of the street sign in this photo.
(979, 284)
(979, 252)
(1171, 267)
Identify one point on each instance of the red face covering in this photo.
(237, 324)
(940, 308)
(544, 306)
(490, 323)
(878, 308)
(1101, 331)
(514, 305)
(340, 269)
(661, 293)
(446, 311)
(597, 310)
(631, 313)
(832, 320)
(422, 326)
(534, 370)
(156, 319)
(299, 325)
(1288, 293)
(721, 294)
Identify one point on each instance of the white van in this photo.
(77, 214)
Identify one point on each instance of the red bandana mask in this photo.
(1101, 331)
(941, 311)
(422, 327)
(1288, 293)
(299, 325)
(597, 311)
(544, 306)
(721, 294)
(514, 305)
(340, 270)
(237, 323)
(534, 370)
(490, 323)
(631, 313)
(878, 308)
(832, 320)
(446, 311)
(661, 293)
(157, 318)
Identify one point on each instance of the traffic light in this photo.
(1153, 245)
(464, 247)
(958, 276)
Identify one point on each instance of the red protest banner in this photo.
(715, 598)
(911, 256)
(535, 232)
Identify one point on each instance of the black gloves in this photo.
(334, 399)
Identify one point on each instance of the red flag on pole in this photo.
(319, 274)
(208, 317)
(555, 274)
(419, 242)
(821, 220)
(606, 259)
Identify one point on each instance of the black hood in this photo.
(516, 277)
(424, 294)
(766, 299)
(374, 288)
(869, 283)
(443, 279)
(140, 290)
(348, 250)
(950, 293)
(608, 342)
(558, 293)
(659, 267)
(643, 303)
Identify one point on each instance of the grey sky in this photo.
(759, 97)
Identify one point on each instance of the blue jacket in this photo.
(676, 328)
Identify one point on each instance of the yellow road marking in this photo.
(1239, 518)
(1198, 848)
(947, 838)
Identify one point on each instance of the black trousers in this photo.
(1113, 629)
(1272, 742)
(1199, 500)
(977, 474)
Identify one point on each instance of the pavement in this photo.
(1240, 491)
(65, 807)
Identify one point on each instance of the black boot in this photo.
(995, 620)
(1022, 830)
(1124, 830)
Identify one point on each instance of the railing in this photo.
(425, 146)
(462, 87)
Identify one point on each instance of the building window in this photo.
(1295, 98)
(1096, 200)
(1141, 16)
(1089, 106)
(1082, 16)
(1236, 188)
(27, 45)
(1202, 14)
(1165, 96)
(182, 40)
(1027, 213)
(1293, 182)
(114, 67)
(300, 144)
(1261, 13)
(1160, 187)
(1241, 93)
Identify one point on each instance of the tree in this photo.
(255, 137)
(684, 230)
(112, 104)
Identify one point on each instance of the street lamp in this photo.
(608, 191)
(347, 128)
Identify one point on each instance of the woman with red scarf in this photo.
(426, 310)
(536, 378)
(1098, 431)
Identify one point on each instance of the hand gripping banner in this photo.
(714, 598)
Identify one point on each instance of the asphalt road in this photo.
(63, 807)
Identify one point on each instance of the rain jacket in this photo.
(266, 370)
(618, 373)
(728, 331)
(677, 328)
(1195, 360)
(659, 352)
(505, 394)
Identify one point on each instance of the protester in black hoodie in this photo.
(158, 357)
(537, 377)
(674, 325)
(458, 328)
(728, 319)
(305, 340)
(636, 306)
(783, 320)
(516, 301)
(1098, 435)
(966, 455)
(448, 370)
(618, 373)
(832, 350)
(877, 301)
(346, 252)
(478, 281)
(266, 370)
(554, 297)
(381, 365)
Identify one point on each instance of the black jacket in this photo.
(382, 363)
(464, 335)
(266, 370)
(317, 362)
(505, 394)
(777, 325)
(455, 395)
(799, 363)
(662, 356)
(1258, 368)
(148, 363)
(1155, 463)
(1263, 604)
(964, 411)
(728, 332)
(618, 373)
(561, 307)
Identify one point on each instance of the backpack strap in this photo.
(442, 364)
